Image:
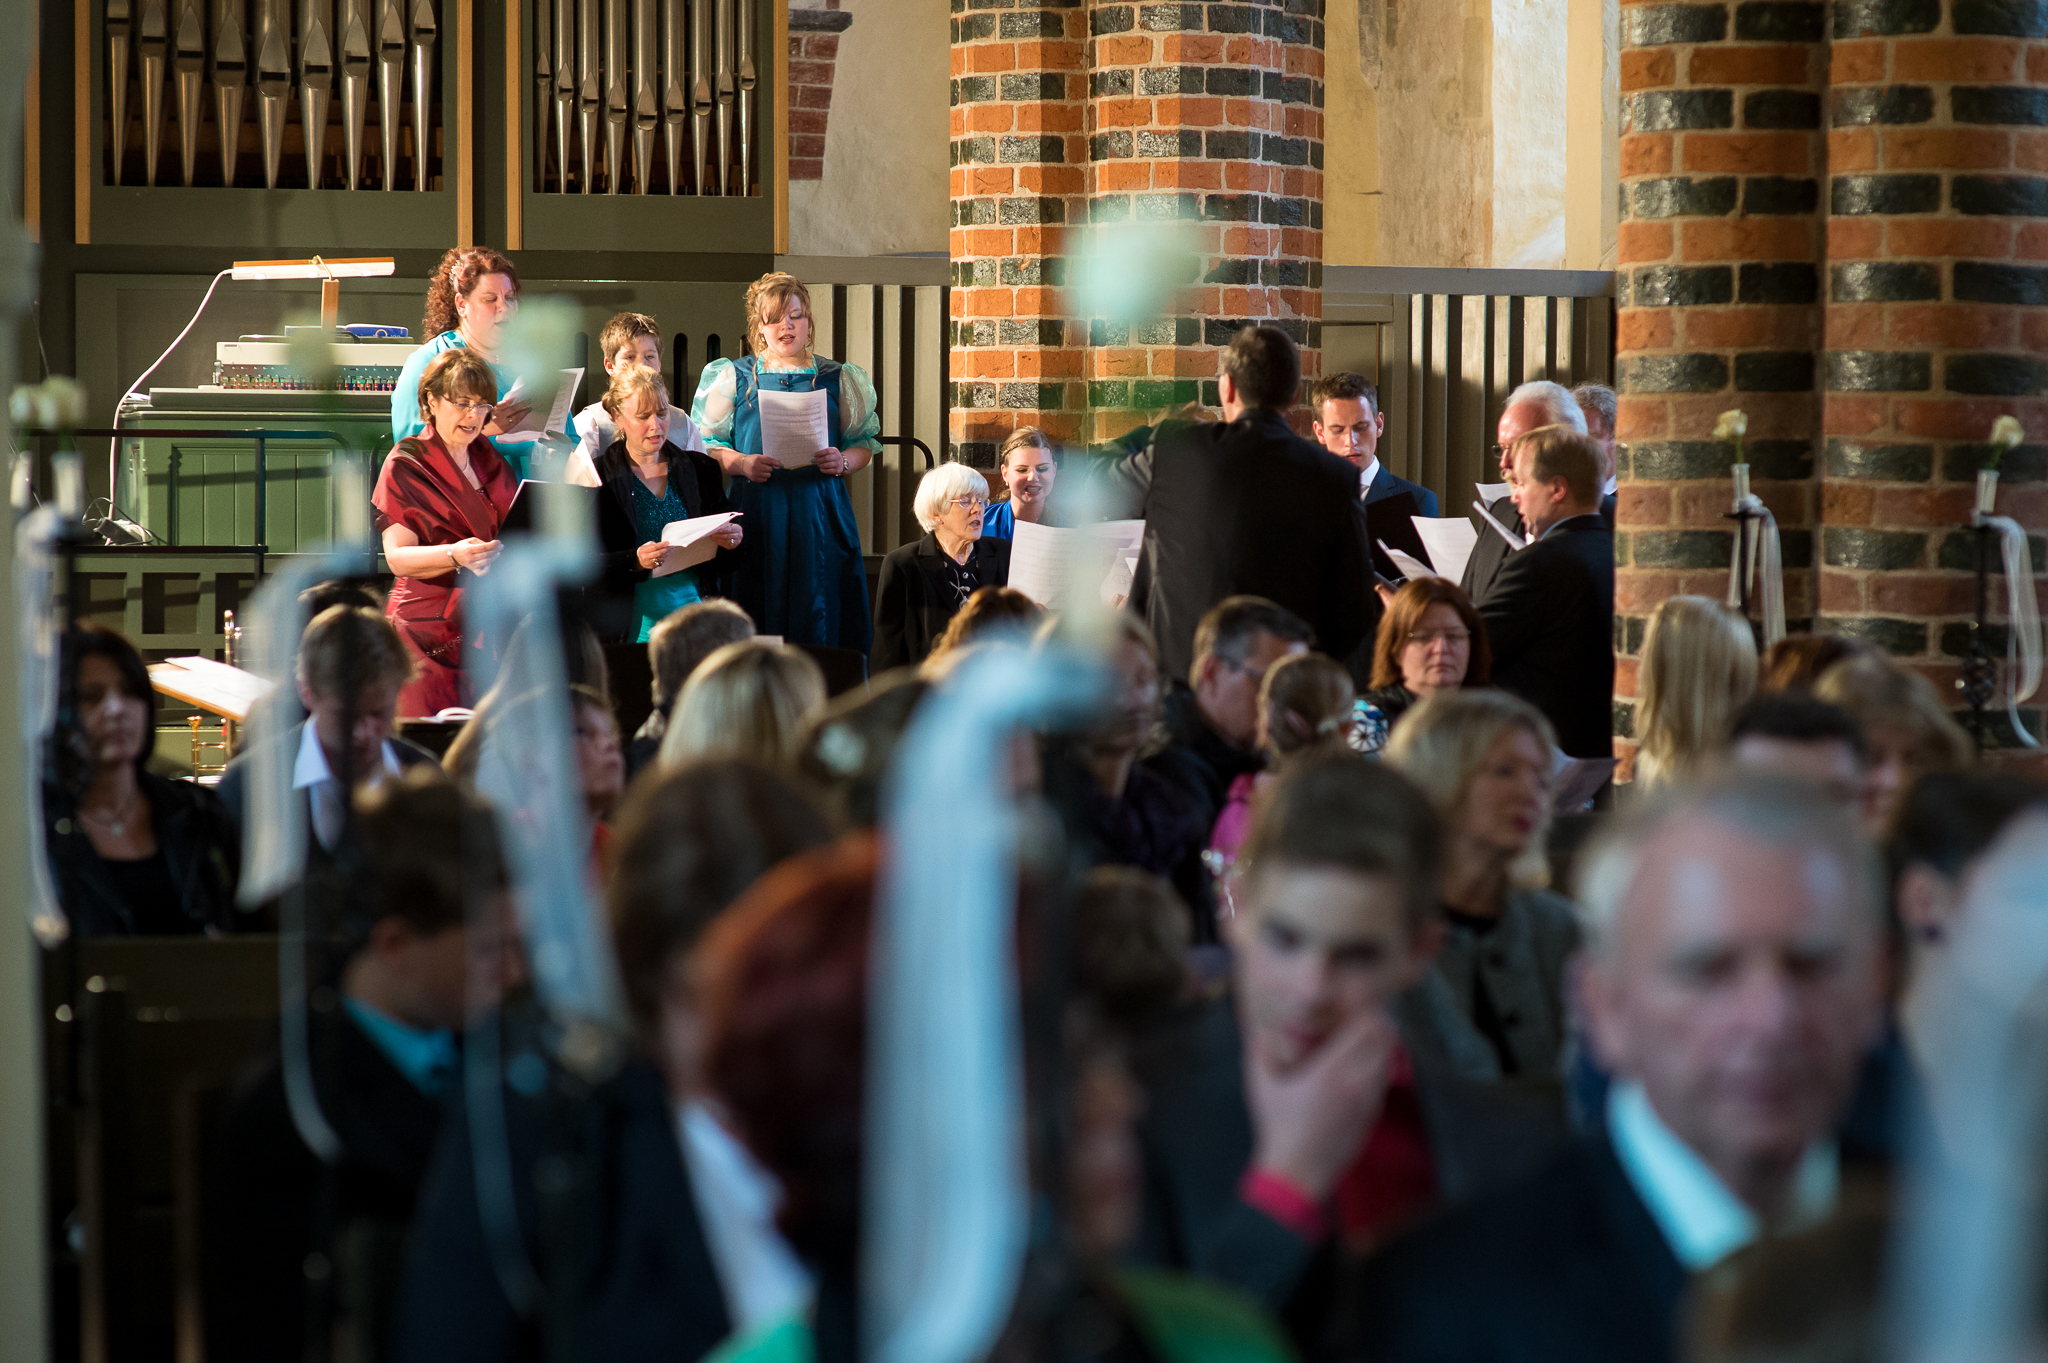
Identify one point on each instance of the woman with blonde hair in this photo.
(1305, 703)
(1699, 665)
(925, 583)
(1496, 997)
(1905, 729)
(750, 699)
(800, 573)
(1028, 469)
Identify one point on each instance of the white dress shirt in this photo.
(1366, 475)
(1608, 490)
(1701, 1220)
(736, 1204)
(326, 797)
(595, 432)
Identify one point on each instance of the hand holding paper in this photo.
(794, 426)
(520, 412)
(694, 541)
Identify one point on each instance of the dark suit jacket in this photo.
(1550, 621)
(620, 1247)
(1248, 507)
(202, 847)
(1196, 1134)
(1565, 1267)
(914, 600)
(1492, 550)
(696, 478)
(233, 788)
(1199, 761)
(1385, 485)
(264, 1185)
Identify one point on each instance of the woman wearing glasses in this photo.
(1430, 640)
(440, 499)
(925, 583)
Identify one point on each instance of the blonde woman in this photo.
(751, 699)
(800, 573)
(1029, 470)
(1699, 665)
(1905, 729)
(924, 584)
(645, 481)
(1496, 996)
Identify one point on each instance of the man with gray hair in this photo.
(1602, 410)
(1732, 983)
(1534, 406)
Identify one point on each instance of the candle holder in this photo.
(1979, 679)
(1743, 513)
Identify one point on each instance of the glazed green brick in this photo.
(1885, 18)
(1879, 371)
(1675, 460)
(1109, 393)
(1683, 548)
(2021, 464)
(1900, 638)
(1624, 719)
(1697, 373)
(1857, 547)
(1994, 375)
(1880, 463)
(2002, 18)
(1958, 550)
(1680, 197)
(1150, 393)
(1029, 396)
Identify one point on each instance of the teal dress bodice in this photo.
(657, 597)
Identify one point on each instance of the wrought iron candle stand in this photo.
(1744, 515)
(1979, 682)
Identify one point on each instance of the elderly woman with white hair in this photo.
(925, 583)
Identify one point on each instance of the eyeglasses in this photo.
(470, 408)
(970, 503)
(1423, 638)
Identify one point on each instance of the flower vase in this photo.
(1741, 472)
(1987, 490)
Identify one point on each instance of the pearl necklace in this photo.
(117, 823)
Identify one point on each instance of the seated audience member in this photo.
(1815, 1296)
(1429, 640)
(1943, 824)
(749, 699)
(1130, 942)
(1349, 424)
(1791, 734)
(1550, 612)
(1029, 468)
(429, 947)
(989, 608)
(351, 668)
(1305, 703)
(675, 1244)
(676, 648)
(1733, 985)
(847, 754)
(1796, 661)
(1539, 405)
(1121, 812)
(924, 584)
(509, 727)
(1698, 667)
(1212, 723)
(131, 853)
(1905, 728)
(599, 762)
(340, 591)
(1292, 1128)
(1483, 757)
(1601, 408)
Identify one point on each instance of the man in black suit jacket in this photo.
(1248, 508)
(1602, 410)
(1734, 985)
(1290, 1127)
(1535, 406)
(1550, 611)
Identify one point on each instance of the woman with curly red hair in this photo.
(472, 294)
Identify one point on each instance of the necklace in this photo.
(117, 823)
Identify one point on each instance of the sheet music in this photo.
(1412, 568)
(1490, 492)
(1514, 541)
(212, 686)
(794, 426)
(1574, 781)
(1449, 542)
(548, 415)
(1049, 563)
(692, 539)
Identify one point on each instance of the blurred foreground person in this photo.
(988, 609)
(1905, 729)
(1790, 734)
(1290, 1128)
(297, 1249)
(751, 699)
(649, 1226)
(675, 650)
(1698, 667)
(1796, 661)
(1733, 986)
(1305, 703)
(847, 756)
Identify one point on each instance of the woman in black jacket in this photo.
(645, 483)
(131, 853)
(925, 583)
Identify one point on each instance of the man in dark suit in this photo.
(1535, 406)
(1248, 507)
(378, 1060)
(1601, 409)
(1550, 611)
(1733, 984)
(1349, 424)
(1290, 1129)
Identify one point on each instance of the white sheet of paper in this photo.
(549, 414)
(1490, 492)
(1575, 781)
(1116, 586)
(1514, 541)
(213, 686)
(794, 426)
(1448, 542)
(691, 538)
(1411, 567)
(1050, 563)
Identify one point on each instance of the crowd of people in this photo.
(1367, 1047)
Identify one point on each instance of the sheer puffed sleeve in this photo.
(712, 412)
(861, 419)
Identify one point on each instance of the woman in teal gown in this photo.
(473, 293)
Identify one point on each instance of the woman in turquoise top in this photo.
(800, 574)
(645, 481)
(473, 293)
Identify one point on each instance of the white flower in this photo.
(1732, 425)
(2006, 433)
(57, 403)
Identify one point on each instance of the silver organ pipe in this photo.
(646, 96)
(424, 30)
(617, 107)
(728, 85)
(188, 71)
(544, 85)
(153, 45)
(230, 78)
(316, 80)
(749, 80)
(391, 63)
(355, 45)
(589, 88)
(565, 82)
(675, 95)
(701, 96)
(120, 28)
(273, 82)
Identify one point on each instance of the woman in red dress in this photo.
(440, 499)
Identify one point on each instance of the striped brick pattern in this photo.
(813, 56)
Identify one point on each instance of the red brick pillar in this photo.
(1937, 309)
(1018, 177)
(813, 55)
(1720, 278)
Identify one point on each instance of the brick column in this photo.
(1720, 270)
(1018, 177)
(813, 54)
(1937, 309)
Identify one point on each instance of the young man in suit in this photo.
(1550, 611)
(1247, 507)
(1349, 424)
(1601, 409)
(1289, 1129)
(1539, 405)
(1733, 983)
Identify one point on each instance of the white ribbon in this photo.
(1764, 568)
(36, 646)
(2022, 620)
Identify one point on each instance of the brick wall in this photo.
(813, 56)
(1829, 214)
